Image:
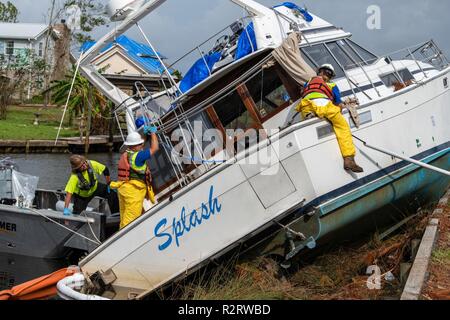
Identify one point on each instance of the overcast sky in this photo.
(178, 25)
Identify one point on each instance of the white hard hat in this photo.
(328, 66)
(134, 139)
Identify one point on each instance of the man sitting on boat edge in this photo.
(322, 98)
(83, 185)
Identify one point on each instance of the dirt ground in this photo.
(438, 284)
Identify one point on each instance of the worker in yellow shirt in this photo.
(83, 185)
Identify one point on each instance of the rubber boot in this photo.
(350, 165)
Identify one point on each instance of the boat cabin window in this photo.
(161, 168)
(199, 138)
(268, 92)
(394, 79)
(309, 61)
(233, 113)
(320, 56)
(162, 164)
(345, 46)
(344, 59)
(367, 56)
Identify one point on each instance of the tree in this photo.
(92, 16)
(8, 12)
(19, 72)
(83, 94)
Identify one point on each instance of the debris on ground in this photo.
(344, 273)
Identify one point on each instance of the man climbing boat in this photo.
(322, 98)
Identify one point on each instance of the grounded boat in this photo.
(295, 195)
(32, 223)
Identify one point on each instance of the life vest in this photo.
(318, 85)
(129, 171)
(85, 185)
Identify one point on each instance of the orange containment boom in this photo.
(40, 288)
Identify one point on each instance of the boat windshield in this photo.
(342, 54)
(320, 55)
(367, 56)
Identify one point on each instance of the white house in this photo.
(17, 38)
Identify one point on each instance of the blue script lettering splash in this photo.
(187, 223)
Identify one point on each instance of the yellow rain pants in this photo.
(332, 113)
(131, 200)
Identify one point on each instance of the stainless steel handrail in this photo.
(243, 19)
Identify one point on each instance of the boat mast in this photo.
(113, 93)
(267, 27)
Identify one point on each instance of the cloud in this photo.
(179, 25)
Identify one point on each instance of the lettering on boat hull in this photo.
(187, 222)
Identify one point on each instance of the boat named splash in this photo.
(187, 224)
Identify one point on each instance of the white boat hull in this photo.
(235, 199)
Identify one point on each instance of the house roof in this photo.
(140, 53)
(23, 31)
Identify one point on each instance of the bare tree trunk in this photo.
(47, 39)
(61, 52)
(3, 109)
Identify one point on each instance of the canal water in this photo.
(53, 171)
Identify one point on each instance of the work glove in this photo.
(67, 212)
(150, 129)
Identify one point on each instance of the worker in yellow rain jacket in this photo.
(134, 183)
(83, 185)
(322, 98)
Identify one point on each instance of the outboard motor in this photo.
(118, 10)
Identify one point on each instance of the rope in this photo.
(64, 227)
(69, 96)
(90, 228)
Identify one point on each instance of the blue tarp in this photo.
(138, 52)
(199, 71)
(244, 46)
(293, 6)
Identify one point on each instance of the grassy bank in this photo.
(438, 284)
(19, 124)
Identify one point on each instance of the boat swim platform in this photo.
(97, 144)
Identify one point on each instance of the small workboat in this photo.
(32, 222)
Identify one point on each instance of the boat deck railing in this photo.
(218, 42)
(410, 57)
(428, 53)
